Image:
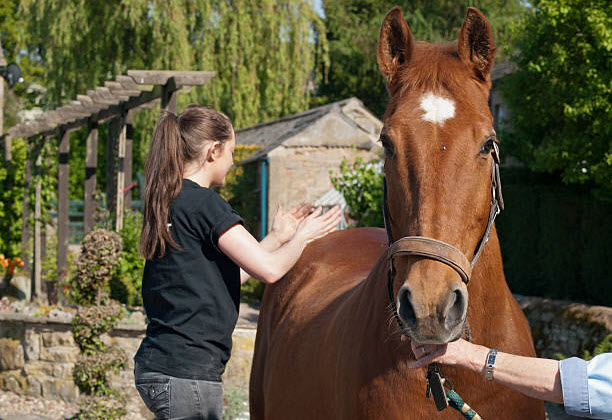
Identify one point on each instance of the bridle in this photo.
(437, 250)
(445, 253)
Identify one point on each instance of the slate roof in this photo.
(274, 133)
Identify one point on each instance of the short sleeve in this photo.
(213, 217)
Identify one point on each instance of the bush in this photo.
(361, 185)
(98, 314)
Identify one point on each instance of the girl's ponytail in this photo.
(177, 140)
(163, 180)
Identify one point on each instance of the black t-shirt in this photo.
(192, 295)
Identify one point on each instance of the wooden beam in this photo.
(127, 82)
(127, 166)
(113, 110)
(117, 89)
(169, 95)
(91, 166)
(121, 140)
(25, 212)
(112, 144)
(160, 77)
(62, 216)
(38, 259)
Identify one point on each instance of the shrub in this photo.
(361, 186)
(98, 314)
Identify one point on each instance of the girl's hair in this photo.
(177, 140)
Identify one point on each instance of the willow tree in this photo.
(263, 51)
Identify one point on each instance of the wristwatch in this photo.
(490, 364)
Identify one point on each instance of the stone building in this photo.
(297, 152)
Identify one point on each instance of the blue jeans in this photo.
(171, 398)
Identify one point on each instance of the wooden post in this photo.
(168, 96)
(127, 163)
(120, 186)
(91, 165)
(111, 168)
(62, 215)
(38, 258)
(8, 156)
(25, 212)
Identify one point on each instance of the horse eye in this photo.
(487, 146)
(386, 143)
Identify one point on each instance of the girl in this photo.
(198, 253)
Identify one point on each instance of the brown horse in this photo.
(328, 345)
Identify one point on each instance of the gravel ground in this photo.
(19, 407)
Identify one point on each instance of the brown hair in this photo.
(177, 140)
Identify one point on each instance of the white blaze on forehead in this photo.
(437, 109)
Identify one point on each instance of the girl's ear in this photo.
(209, 152)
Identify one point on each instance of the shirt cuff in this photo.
(575, 387)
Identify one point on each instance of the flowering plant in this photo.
(10, 264)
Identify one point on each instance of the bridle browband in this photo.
(438, 250)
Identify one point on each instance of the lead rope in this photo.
(435, 379)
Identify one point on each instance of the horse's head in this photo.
(439, 141)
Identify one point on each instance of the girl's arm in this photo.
(537, 378)
(269, 266)
(284, 226)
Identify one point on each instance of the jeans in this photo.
(177, 398)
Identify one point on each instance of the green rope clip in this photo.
(455, 401)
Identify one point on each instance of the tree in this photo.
(353, 28)
(559, 97)
(263, 51)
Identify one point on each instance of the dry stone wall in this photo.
(37, 354)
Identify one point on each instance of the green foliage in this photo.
(560, 95)
(605, 346)
(126, 284)
(353, 28)
(98, 315)
(107, 407)
(361, 185)
(91, 322)
(91, 371)
(235, 402)
(241, 188)
(252, 45)
(95, 266)
(12, 181)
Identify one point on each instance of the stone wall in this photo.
(37, 355)
(566, 328)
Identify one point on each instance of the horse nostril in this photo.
(406, 310)
(455, 308)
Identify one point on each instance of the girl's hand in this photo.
(318, 225)
(285, 225)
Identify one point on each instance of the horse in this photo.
(333, 336)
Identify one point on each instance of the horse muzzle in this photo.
(432, 302)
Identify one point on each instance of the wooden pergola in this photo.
(115, 103)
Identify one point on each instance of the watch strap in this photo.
(490, 365)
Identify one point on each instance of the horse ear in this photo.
(395, 44)
(476, 46)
